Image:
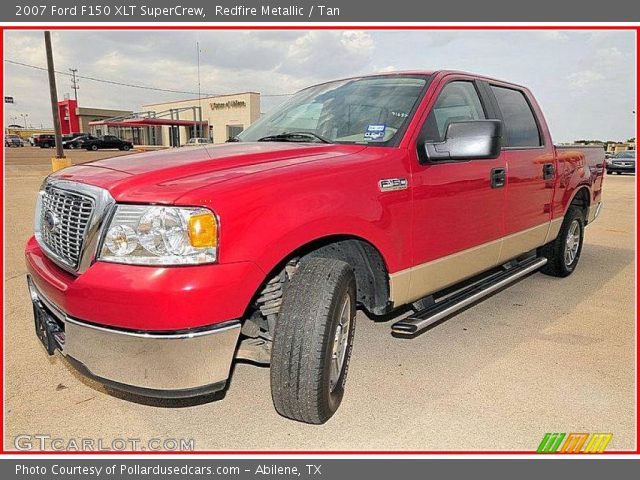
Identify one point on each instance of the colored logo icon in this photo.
(574, 443)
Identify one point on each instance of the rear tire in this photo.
(564, 252)
(312, 341)
(93, 148)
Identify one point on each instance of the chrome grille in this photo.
(64, 218)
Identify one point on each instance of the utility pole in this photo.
(74, 83)
(199, 95)
(59, 161)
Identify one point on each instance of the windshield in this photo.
(625, 155)
(364, 110)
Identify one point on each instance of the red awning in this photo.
(147, 122)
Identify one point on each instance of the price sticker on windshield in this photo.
(375, 132)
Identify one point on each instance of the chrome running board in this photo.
(418, 321)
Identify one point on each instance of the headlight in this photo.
(155, 235)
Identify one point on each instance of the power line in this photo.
(132, 85)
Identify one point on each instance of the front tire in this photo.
(564, 252)
(312, 341)
(93, 148)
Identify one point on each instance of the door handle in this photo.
(547, 171)
(498, 177)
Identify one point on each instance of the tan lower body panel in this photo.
(413, 283)
(554, 229)
(594, 211)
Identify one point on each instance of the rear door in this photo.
(457, 226)
(531, 170)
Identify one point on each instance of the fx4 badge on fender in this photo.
(390, 184)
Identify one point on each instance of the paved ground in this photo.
(546, 355)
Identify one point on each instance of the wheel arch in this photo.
(581, 198)
(370, 268)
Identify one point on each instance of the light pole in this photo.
(24, 119)
(74, 84)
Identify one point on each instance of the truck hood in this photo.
(163, 176)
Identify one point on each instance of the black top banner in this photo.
(28, 11)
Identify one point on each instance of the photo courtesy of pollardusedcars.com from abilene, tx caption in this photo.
(320, 240)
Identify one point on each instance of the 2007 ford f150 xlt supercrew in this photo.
(425, 190)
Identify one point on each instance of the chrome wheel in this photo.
(572, 244)
(340, 343)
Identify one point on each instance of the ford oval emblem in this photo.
(51, 221)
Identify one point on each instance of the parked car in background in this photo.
(13, 141)
(622, 162)
(427, 191)
(106, 141)
(197, 141)
(45, 141)
(77, 141)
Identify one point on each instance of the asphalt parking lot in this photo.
(545, 355)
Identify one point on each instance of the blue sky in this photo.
(584, 81)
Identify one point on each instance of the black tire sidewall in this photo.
(574, 215)
(330, 401)
(301, 355)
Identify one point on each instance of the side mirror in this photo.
(469, 140)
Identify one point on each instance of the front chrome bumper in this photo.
(173, 364)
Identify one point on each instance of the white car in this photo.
(197, 141)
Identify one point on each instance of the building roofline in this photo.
(201, 98)
(83, 110)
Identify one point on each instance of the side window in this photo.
(458, 101)
(520, 127)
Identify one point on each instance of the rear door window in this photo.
(520, 126)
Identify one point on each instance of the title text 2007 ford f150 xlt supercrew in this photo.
(422, 190)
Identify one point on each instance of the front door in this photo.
(458, 213)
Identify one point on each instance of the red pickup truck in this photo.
(416, 192)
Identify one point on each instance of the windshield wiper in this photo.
(294, 137)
